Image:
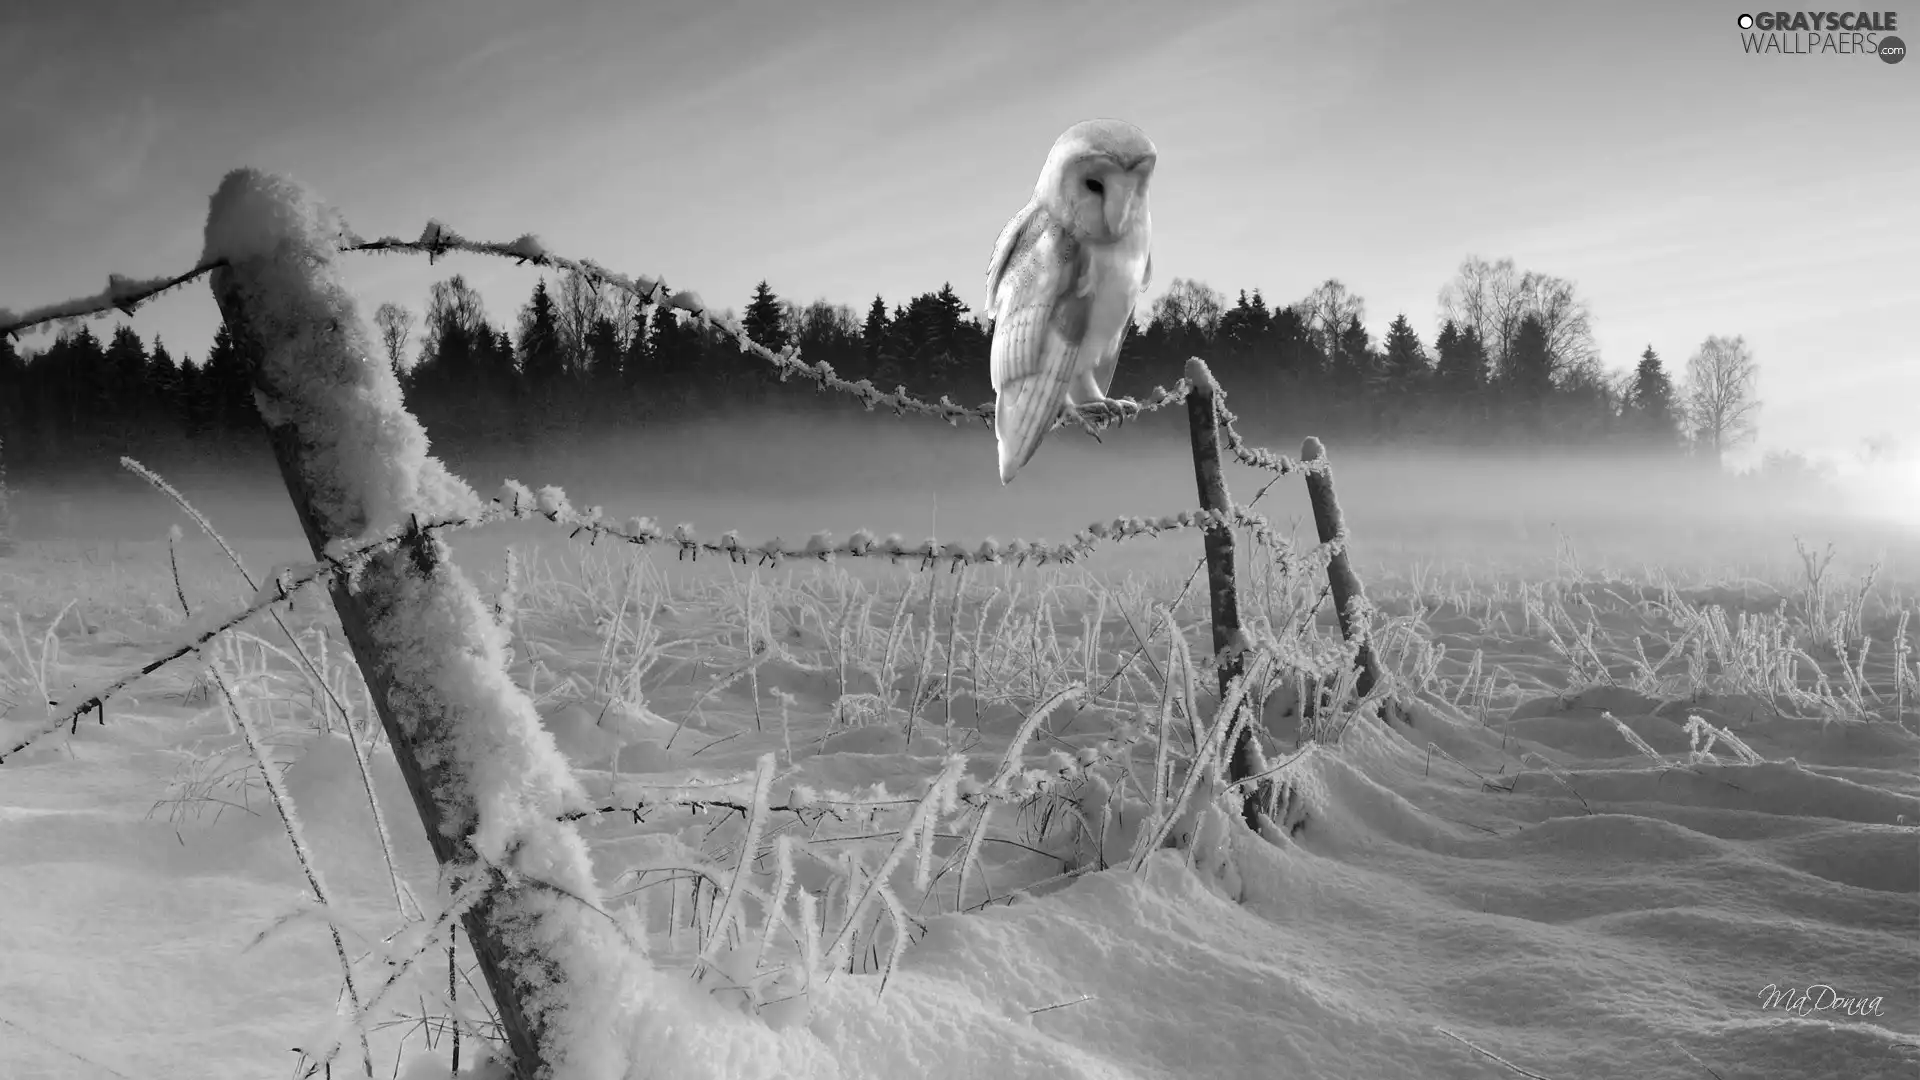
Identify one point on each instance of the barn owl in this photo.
(1064, 278)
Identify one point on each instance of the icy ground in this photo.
(1612, 916)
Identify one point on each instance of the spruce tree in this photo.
(126, 387)
(227, 386)
(1405, 362)
(1450, 370)
(1650, 402)
(873, 335)
(765, 319)
(190, 401)
(541, 359)
(163, 382)
(603, 353)
(82, 372)
(1354, 358)
(1529, 367)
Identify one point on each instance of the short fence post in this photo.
(1345, 584)
(1204, 424)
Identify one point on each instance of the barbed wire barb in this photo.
(122, 294)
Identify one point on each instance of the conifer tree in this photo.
(541, 360)
(1292, 344)
(126, 369)
(190, 403)
(636, 362)
(603, 353)
(1529, 368)
(1651, 408)
(223, 381)
(873, 334)
(1405, 362)
(163, 382)
(1451, 372)
(765, 319)
(1353, 361)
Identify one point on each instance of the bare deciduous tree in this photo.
(1565, 318)
(578, 303)
(1327, 311)
(451, 303)
(1485, 296)
(395, 324)
(1722, 393)
(821, 321)
(1495, 297)
(1190, 303)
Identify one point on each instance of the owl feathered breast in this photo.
(1060, 308)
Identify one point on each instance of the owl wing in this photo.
(1040, 305)
(1015, 240)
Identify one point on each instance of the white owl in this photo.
(1063, 282)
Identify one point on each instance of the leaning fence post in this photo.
(487, 780)
(1348, 597)
(1203, 421)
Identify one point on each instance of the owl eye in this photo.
(1096, 186)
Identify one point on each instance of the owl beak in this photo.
(1119, 209)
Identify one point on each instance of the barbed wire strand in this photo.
(125, 294)
(122, 294)
(283, 586)
(518, 502)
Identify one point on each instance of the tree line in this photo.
(1514, 362)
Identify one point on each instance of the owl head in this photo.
(1095, 179)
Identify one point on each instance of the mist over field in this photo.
(1512, 511)
(1588, 748)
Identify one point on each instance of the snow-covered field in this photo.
(1545, 871)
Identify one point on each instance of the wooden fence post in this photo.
(1203, 422)
(1329, 522)
(352, 457)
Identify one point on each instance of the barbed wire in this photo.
(124, 294)
(343, 559)
(437, 239)
(517, 500)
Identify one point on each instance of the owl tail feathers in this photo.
(1024, 413)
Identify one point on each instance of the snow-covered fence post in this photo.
(1203, 422)
(1348, 596)
(486, 777)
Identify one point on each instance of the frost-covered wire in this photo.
(122, 294)
(343, 560)
(519, 501)
(437, 239)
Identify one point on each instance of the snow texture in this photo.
(319, 372)
(504, 782)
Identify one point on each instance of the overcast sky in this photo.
(845, 149)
